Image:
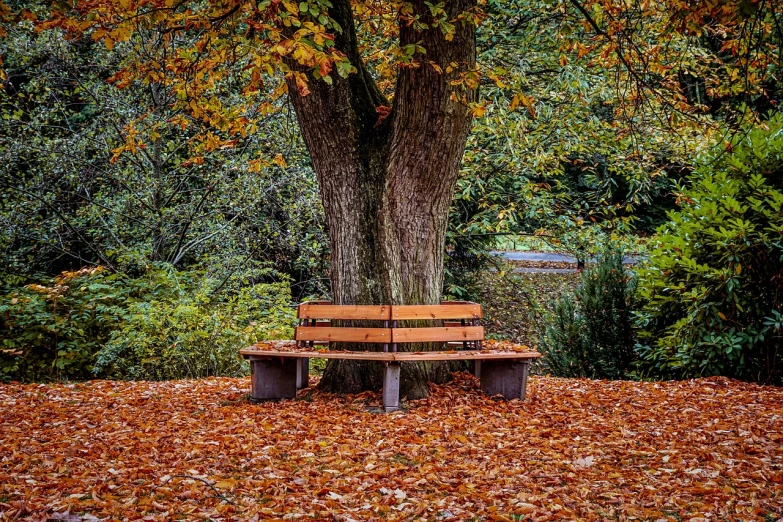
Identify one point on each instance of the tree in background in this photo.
(76, 194)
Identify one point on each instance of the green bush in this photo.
(713, 289)
(52, 330)
(191, 336)
(159, 325)
(590, 333)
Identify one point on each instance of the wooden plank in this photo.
(430, 312)
(419, 335)
(349, 335)
(250, 353)
(462, 355)
(327, 311)
(445, 355)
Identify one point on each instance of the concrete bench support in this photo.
(274, 378)
(302, 373)
(278, 374)
(391, 387)
(506, 378)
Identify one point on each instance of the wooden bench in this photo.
(279, 368)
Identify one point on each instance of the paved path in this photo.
(547, 256)
(529, 270)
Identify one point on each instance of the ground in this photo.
(576, 449)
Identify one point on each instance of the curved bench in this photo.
(278, 370)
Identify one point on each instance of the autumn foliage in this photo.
(576, 449)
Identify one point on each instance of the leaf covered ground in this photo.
(576, 449)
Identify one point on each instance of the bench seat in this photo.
(442, 355)
(279, 368)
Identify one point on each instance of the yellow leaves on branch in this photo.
(258, 164)
(133, 143)
(301, 83)
(292, 7)
(468, 79)
(61, 282)
(477, 110)
(524, 100)
(575, 449)
(280, 161)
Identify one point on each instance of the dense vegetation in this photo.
(155, 217)
(163, 324)
(590, 333)
(713, 289)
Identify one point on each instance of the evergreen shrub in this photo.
(589, 332)
(713, 288)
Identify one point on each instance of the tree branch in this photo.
(604, 34)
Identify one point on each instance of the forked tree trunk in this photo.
(387, 185)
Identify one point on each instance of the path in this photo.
(550, 257)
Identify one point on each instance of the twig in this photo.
(205, 481)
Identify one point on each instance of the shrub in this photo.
(52, 330)
(161, 324)
(589, 333)
(191, 336)
(714, 284)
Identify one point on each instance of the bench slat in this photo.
(424, 335)
(349, 335)
(328, 311)
(389, 356)
(462, 355)
(442, 311)
(250, 353)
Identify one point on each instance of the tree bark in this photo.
(387, 187)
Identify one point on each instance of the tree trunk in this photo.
(387, 185)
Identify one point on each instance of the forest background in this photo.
(149, 232)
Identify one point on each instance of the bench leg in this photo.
(506, 378)
(477, 368)
(391, 387)
(302, 373)
(273, 378)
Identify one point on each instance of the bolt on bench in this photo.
(278, 368)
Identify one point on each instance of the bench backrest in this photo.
(315, 323)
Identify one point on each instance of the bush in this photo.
(52, 330)
(162, 324)
(191, 336)
(713, 289)
(590, 331)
